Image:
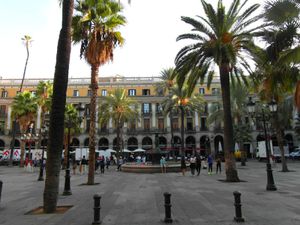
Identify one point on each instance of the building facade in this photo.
(152, 124)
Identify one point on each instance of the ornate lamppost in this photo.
(44, 132)
(29, 138)
(264, 118)
(67, 189)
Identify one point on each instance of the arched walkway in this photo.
(204, 145)
(219, 144)
(132, 143)
(147, 143)
(103, 144)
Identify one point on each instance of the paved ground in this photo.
(137, 199)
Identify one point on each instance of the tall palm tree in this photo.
(184, 101)
(274, 76)
(220, 38)
(72, 127)
(44, 93)
(27, 41)
(120, 108)
(56, 129)
(164, 86)
(95, 27)
(24, 109)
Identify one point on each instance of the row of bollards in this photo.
(167, 197)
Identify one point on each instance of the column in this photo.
(8, 124)
(153, 105)
(196, 117)
(168, 122)
(140, 120)
(38, 119)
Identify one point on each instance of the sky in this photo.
(150, 38)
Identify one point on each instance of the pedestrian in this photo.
(218, 163)
(102, 164)
(83, 165)
(74, 165)
(107, 162)
(163, 165)
(119, 163)
(210, 164)
(198, 164)
(35, 163)
(182, 165)
(193, 165)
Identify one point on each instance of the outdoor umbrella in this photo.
(139, 150)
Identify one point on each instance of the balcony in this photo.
(147, 114)
(103, 131)
(203, 128)
(190, 130)
(131, 131)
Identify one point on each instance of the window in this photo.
(146, 124)
(159, 108)
(4, 94)
(75, 93)
(131, 92)
(2, 110)
(146, 107)
(104, 92)
(203, 123)
(89, 93)
(215, 91)
(146, 92)
(189, 124)
(175, 124)
(202, 91)
(161, 125)
(33, 93)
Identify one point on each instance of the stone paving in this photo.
(137, 199)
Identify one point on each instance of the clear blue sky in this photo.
(150, 34)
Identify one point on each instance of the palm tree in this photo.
(239, 94)
(72, 127)
(220, 38)
(27, 41)
(276, 76)
(164, 86)
(56, 129)
(24, 109)
(44, 93)
(94, 26)
(184, 101)
(120, 108)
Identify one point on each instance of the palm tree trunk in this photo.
(230, 167)
(118, 140)
(56, 129)
(182, 131)
(279, 135)
(172, 134)
(25, 67)
(22, 154)
(92, 132)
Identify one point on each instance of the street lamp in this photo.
(44, 132)
(67, 189)
(29, 138)
(263, 117)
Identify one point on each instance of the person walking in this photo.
(193, 165)
(119, 163)
(107, 162)
(218, 163)
(182, 165)
(102, 164)
(83, 165)
(163, 164)
(210, 164)
(198, 164)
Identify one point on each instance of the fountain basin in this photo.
(149, 168)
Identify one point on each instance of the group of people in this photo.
(196, 163)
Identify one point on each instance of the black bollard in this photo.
(168, 205)
(1, 184)
(238, 207)
(97, 209)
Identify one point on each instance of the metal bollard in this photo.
(1, 184)
(238, 207)
(168, 205)
(97, 209)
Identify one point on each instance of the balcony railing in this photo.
(103, 131)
